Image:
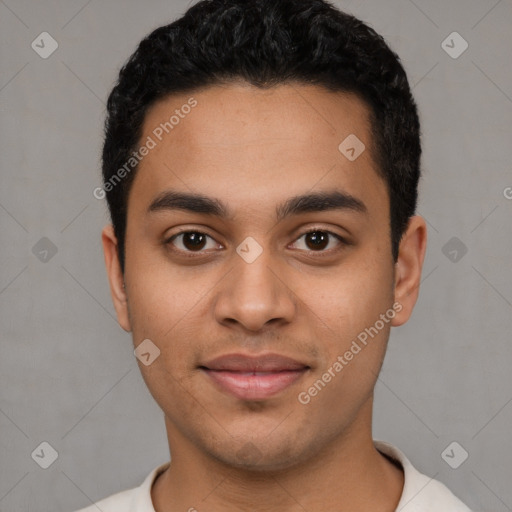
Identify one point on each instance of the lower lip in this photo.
(247, 386)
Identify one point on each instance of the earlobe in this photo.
(408, 268)
(115, 276)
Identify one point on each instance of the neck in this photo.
(349, 474)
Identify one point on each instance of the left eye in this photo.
(317, 240)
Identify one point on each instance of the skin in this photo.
(253, 150)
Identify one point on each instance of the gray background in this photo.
(67, 371)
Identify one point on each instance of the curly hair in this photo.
(268, 43)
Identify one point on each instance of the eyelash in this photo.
(194, 254)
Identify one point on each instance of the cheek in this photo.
(163, 308)
(170, 306)
(160, 295)
(354, 348)
(348, 298)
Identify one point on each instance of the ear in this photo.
(115, 276)
(408, 268)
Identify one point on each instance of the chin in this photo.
(259, 455)
(250, 458)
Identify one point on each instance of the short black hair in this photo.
(267, 43)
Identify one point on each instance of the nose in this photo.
(254, 296)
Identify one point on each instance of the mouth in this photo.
(253, 378)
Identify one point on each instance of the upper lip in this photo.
(250, 363)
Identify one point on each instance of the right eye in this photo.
(192, 241)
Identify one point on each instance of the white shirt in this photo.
(420, 493)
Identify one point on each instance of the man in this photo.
(261, 164)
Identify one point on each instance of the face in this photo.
(257, 257)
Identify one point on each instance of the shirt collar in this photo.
(414, 483)
(142, 498)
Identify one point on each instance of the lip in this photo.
(254, 377)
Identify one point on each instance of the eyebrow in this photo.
(305, 203)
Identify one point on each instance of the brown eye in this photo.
(318, 240)
(192, 241)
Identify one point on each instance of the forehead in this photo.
(234, 114)
(239, 142)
